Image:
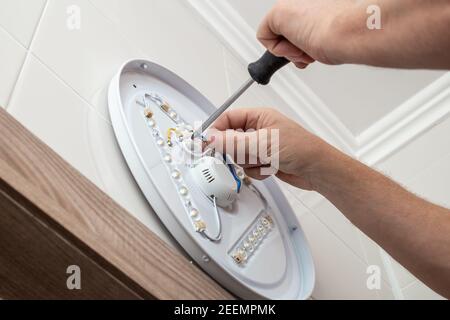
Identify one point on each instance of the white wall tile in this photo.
(403, 276)
(340, 274)
(433, 183)
(20, 18)
(12, 56)
(99, 102)
(415, 157)
(115, 31)
(338, 224)
(168, 33)
(298, 207)
(419, 291)
(85, 59)
(373, 254)
(53, 113)
(385, 292)
(252, 11)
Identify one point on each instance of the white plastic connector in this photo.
(215, 179)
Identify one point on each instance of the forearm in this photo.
(413, 231)
(414, 34)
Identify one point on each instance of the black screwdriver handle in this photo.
(263, 69)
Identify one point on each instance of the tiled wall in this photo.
(54, 81)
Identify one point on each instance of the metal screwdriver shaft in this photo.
(224, 107)
(261, 72)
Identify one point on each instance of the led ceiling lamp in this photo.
(243, 233)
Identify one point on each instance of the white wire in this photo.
(260, 196)
(219, 224)
(193, 154)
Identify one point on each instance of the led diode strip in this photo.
(252, 239)
(197, 222)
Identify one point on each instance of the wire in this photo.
(260, 196)
(232, 167)
(192, 153)
(219, 224)
(163, 105)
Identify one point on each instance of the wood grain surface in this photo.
(52, 217)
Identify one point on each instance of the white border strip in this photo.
(417, 115)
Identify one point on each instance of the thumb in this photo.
(272, 38)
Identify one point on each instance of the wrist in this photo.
(328, 164)
(350, 38)
(343, 32)
(387, 33)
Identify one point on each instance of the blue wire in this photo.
(233, 172)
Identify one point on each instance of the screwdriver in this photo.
(261, 72)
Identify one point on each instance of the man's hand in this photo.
(299, 151)
(413, 34)
(302, 30)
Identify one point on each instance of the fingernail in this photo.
(296, 59)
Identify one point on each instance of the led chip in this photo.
(168, 158)
(269, 219)
(184, 191)
(194, 213)
(253, 239)
(239, 258)
(176, 174)
(160, 142)
(148, 113)
(200, 226)
(165, 107)
(173, 115)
